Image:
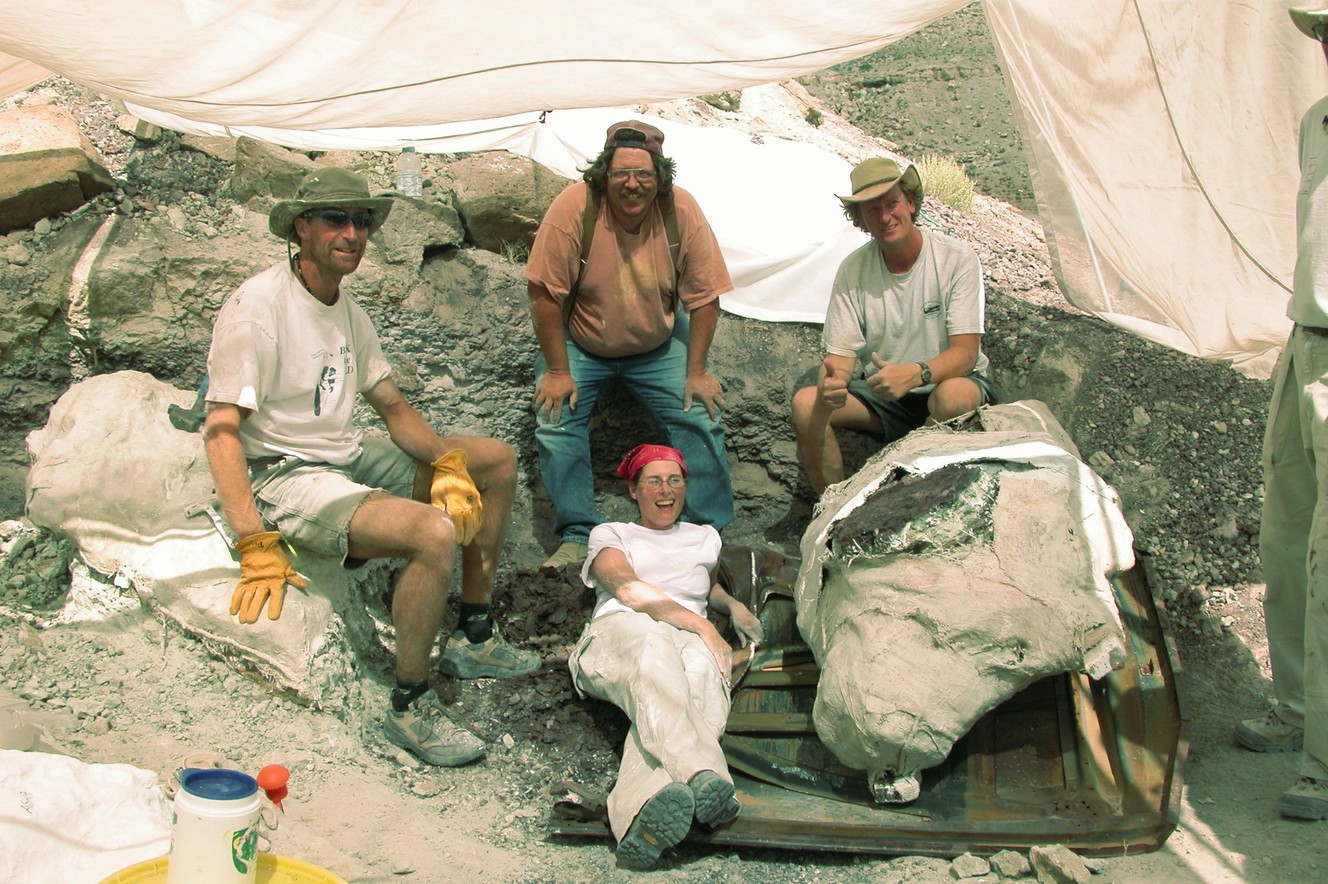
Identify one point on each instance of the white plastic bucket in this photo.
(214, 828)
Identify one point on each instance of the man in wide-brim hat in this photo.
(903, 331)
(1293, 536)
(291, 353)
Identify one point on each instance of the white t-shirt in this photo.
(679, 560)
(1309, 292)
(297, 364)
(905, 317)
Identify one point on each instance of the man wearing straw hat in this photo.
(906, 309)
(291, 353)
(1293, 535)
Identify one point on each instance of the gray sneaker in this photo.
(1307, 800)
(426, 730)
(1269, 734)
(492, 658)
(662, 822)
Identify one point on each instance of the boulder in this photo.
(502, 198)
(417, 228)
(47, 166)
(111, 472)
(951, 572)
(266, 170)
(158, 280)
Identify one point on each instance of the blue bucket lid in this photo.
(217, 785)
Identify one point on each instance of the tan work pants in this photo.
(666, 680)
(1293, 543)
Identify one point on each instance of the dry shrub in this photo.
(946, 180)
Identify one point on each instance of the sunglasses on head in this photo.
(339, 217)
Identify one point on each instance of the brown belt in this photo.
(1311, 330)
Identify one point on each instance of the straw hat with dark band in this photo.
(871, 178)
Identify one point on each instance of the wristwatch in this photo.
(926, 373)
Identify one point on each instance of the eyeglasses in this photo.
(339, 217)
(654, 483)
(645, 176)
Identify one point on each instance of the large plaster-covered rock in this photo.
(110, 471)
(47, 166)
(948, 574)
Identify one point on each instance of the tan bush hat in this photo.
(871, 178)
(1309, 21)
(328, 188)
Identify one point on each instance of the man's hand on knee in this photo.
(454, 492)
(553, 390)
(706, 387)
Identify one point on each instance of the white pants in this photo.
(1293, 542)
(667, 682)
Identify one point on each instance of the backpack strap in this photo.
(589, 218)
(675, 241)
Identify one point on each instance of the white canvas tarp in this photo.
(1161, 132)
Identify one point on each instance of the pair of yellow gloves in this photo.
(265, 569)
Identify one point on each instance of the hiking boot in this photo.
(662, 823)
(1270, 734)
(426, 730)
(491, 658)
(569, 552)
(713, 797)
(1307, 800)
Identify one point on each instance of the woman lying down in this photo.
(651, 651)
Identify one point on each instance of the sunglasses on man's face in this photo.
(339, 217)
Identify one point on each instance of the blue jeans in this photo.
(656, 379)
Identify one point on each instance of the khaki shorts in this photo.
(312, 503)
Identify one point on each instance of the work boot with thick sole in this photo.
(713, 796)
(663, 821)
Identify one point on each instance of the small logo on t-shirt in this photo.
(931, 309)
(328, 383)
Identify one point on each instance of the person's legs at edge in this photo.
(1290, 496)
(1293, 541)
(1308, 798)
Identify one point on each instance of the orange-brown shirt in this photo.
(625, 304)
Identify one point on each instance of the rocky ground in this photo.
(1177, 437)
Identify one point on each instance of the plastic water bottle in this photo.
(410, 173)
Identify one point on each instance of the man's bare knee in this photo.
(953, 397)
(804, 401)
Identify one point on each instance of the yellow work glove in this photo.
(454, 492)
(264, 573)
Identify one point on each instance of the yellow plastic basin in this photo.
(271, 870)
